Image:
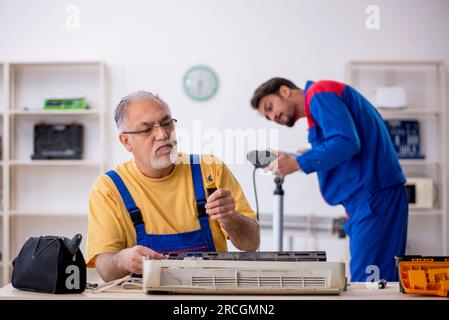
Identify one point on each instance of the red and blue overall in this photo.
(357, 167)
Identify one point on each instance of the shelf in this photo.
(51, 214)
(429, 106)
(55, 63)
(86, 163)
(419, 162)
(425, 212)
(41, 112)
(408, 113)
(393, 62)
(28, 84)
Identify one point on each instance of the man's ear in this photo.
(124, 139)
(284, 91)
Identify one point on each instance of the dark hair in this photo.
(270, 87)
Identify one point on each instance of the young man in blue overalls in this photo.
(355, 161)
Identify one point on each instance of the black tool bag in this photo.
(50, 264)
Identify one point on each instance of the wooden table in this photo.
(355, 291)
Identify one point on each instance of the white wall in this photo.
(150, 44)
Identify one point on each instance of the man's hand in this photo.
(283, 165)
(131, 259)
(242, 231)
(221, 206)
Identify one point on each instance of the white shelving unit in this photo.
(47, 197)
(2, 108)
(425, 85)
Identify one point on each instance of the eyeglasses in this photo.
(167, 125)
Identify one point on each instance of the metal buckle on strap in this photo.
(136, 215)
(200, 208)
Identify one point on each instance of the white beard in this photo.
(166, 160)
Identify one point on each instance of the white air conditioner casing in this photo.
(198, 276)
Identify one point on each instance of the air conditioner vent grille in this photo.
(208, 277)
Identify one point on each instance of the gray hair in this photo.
(141, 95)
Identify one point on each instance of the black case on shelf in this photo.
(58, 141)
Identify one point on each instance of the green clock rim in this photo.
(201, 67)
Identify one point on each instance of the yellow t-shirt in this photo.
(167, 205)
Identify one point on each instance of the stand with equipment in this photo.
(261, 159)
(278, 214)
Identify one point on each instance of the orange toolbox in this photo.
(424, 275)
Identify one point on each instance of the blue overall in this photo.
(357, 167)
(378, 231)
(197, 240)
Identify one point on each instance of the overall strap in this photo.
(197, 177)
(130, 205)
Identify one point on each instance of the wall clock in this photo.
(200, 83)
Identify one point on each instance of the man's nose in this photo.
(161, 133)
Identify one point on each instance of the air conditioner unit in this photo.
(245, 273)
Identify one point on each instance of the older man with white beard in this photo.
(158, 202)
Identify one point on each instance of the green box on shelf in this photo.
(65, 104)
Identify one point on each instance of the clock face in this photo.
(200, 83)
